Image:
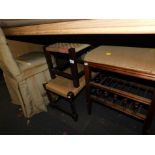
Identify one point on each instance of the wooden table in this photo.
(89, 26)
(126, 62)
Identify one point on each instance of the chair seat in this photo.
(62, 86)
(64, 47)
(30, 60)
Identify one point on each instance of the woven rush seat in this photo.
(134, 58)
(64, 47)
(62, 86)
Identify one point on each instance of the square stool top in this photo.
(64, 47)
(139, 59)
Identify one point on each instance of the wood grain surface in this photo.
(89, 26)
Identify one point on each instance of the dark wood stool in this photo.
(72, 51)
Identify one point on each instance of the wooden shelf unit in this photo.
(118, 107)
(122, 93)
(139, 100)
(128, 90)
(111, 81)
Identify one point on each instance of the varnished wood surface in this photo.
(91, 26)
(125, 71)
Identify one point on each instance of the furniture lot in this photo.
(110, 86)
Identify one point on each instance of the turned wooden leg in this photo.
(87, 79)
(74, 114)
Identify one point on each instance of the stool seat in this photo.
(62, 86)
(64, 47)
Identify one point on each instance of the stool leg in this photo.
(49, 62)
(73, 65)
(88, 78)
(70, 97)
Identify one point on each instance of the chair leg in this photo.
(70, 97)
(74, 69)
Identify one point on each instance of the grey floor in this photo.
(103, 121)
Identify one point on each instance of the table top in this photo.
(89, 26)
(132, 58)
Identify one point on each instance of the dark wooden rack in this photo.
(118, 107)
(107, 89)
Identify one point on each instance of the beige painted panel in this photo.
(19, 48)
(91, 26)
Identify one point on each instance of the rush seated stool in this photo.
(70, 50)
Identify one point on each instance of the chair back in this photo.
(7, 61)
